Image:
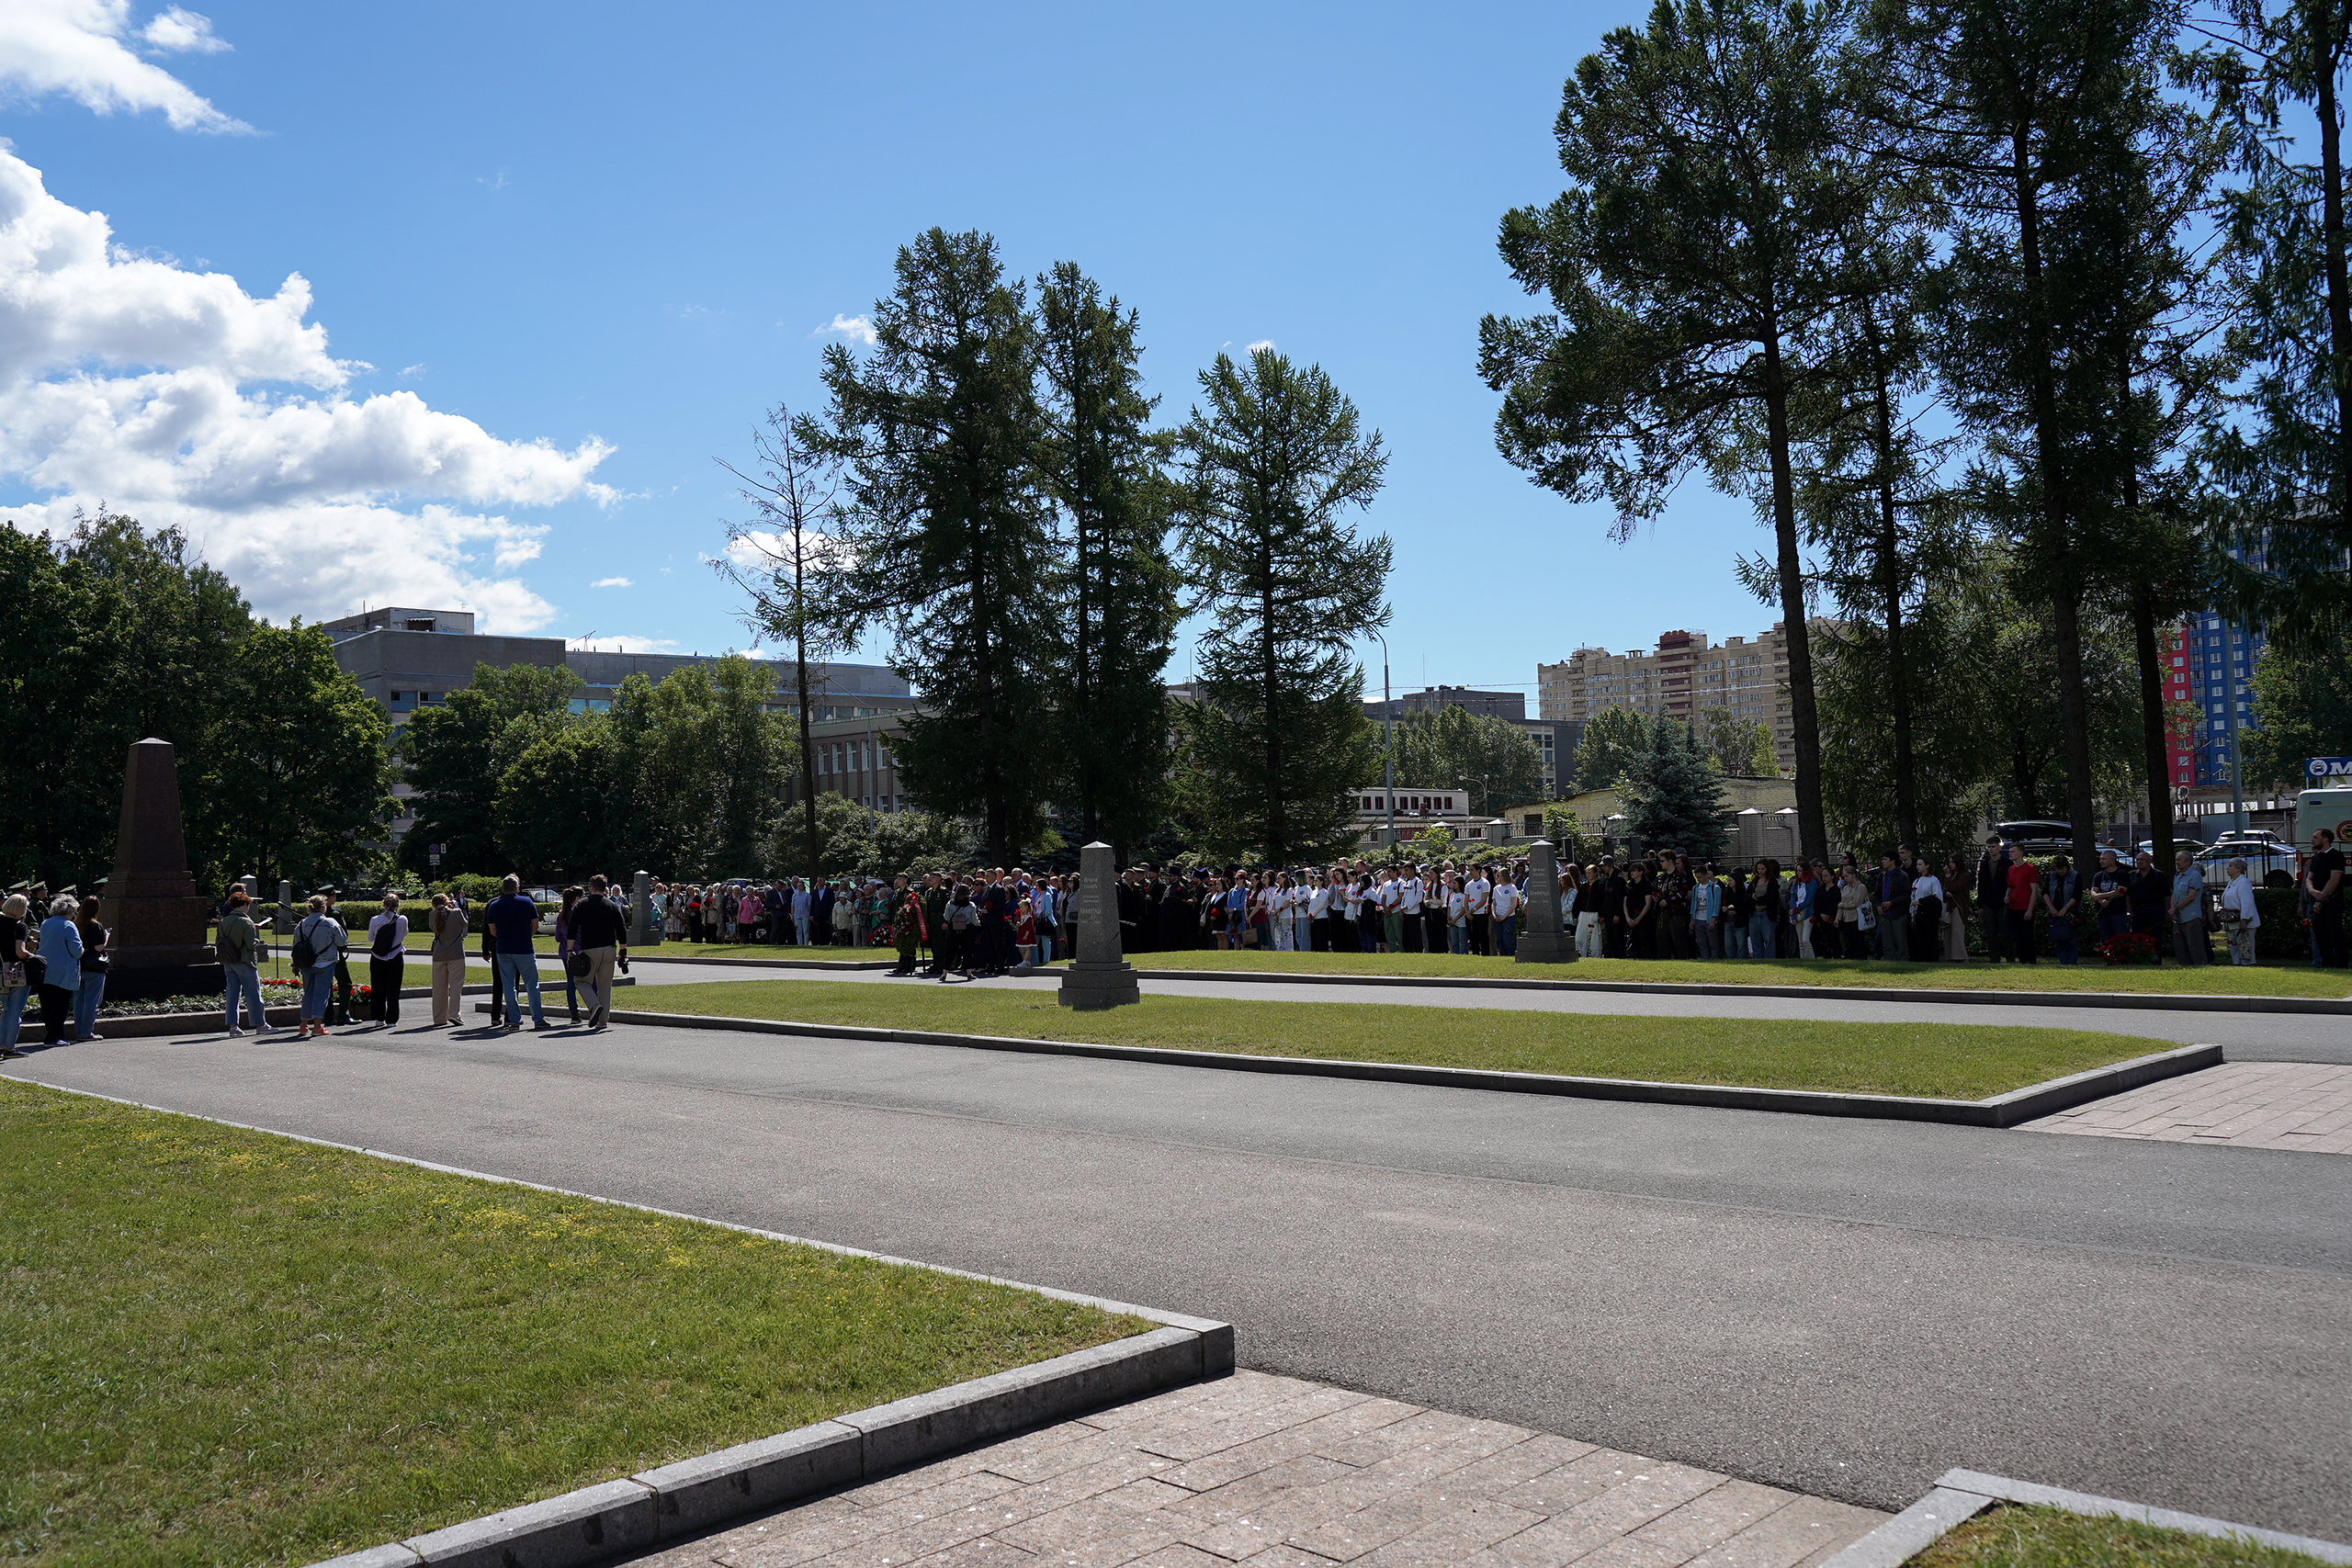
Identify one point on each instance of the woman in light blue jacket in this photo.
(61, 957)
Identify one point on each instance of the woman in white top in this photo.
(1457, 914)
(2240, 917)
(1277, 904)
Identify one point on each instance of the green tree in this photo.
(1494, 763)
(2303, 708)
(1278, 737)
(788, 561)
(299, 763)
(560, 812)
(2281, 459)
(2046, 123)
(1612, 739)
(696, 768)
(455, 753)
(1117, 591)
(1720, 156)
(1568, 835)
(948, 539)
(1672, 798)
(1735, 745)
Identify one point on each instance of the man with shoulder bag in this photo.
(599, 940)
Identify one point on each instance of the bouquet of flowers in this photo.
(2131, 948)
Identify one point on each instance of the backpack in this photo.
(306, 953)
(387, 937)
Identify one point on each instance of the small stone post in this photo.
(1543, 942)
(1100, 977)
(640, 909)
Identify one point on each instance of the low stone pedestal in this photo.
(1543, 942)
(152, 904)
(1100, 977)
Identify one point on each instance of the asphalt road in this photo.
(1841, 1307)
(2247, 1037)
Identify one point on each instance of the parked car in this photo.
(2269, 860)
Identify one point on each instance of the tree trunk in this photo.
(2155, 744)
(1277, 852)
(1898, 687)
(1812, 829)
(2328, 51)
(800, 677)
(2066, 586)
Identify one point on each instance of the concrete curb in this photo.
(690, 1495)
(1960, 1495)
(655, 1508)
(2144, 1001)
(2001, 1111)
(654, 955)
(147, 1025)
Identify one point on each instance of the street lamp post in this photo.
(1388, 765)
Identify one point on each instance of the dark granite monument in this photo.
(1543, 942)
(152, 904)
(1100, 977)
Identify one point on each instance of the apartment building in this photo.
(1679, 678)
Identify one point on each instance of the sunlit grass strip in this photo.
(223, 1346)
(1940, 1060)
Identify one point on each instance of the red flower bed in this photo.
(2131, 948)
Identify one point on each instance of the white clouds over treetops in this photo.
(131, 381)
(83, 50)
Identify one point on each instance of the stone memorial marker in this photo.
(1543, 942)
(1100, 977)
(158, 948)
(640, 909)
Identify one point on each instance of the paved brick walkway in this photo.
(2250, 1105)
(1279, 1474)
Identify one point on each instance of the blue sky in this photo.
(614, 227)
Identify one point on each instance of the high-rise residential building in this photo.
(2211, 663)
(1681, 677)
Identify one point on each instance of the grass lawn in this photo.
(1958, 1060)
(2260, 980)
(2051, 1538)
(221, 1346)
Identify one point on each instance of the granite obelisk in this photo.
(157, 916)
(1100, 977)
(1543, 942)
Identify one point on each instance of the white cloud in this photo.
(1261, 343)
(417, 369)
(80, 48)
(857, 328)
(623, 643)
(180, 399)
(182, 31)
(762, 550)
(611, 583)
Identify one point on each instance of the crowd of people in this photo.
(1660, 905)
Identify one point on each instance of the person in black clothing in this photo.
(995, 929)
(2149, 892)
(1739, 903)
(2323, 885)
(600, 930)
(1613, 914)
(1129, 897)
(1992, 898)
(1180, 915)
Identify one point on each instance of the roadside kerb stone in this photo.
(1960, 1496)
(2000, 1111)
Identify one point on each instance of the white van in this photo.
(2317, 808)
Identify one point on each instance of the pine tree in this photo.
(1100, 463)
(1673, 798)
(1720, 155)
(1278, 739)
(948, 539)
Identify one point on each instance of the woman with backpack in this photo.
(387, 956)
(318, 943)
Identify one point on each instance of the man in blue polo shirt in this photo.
(513, 920)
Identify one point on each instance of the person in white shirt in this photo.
(2240, 917)
(1319, 913)
(1391, 922)
(1479, 894)
(1409, 890)
(1457, 917)
(1279, 899)
(1302, 912)
(1507, 901)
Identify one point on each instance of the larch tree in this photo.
(947, 535)
(1718, 155)
(1278, 739)
(1102, 464)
